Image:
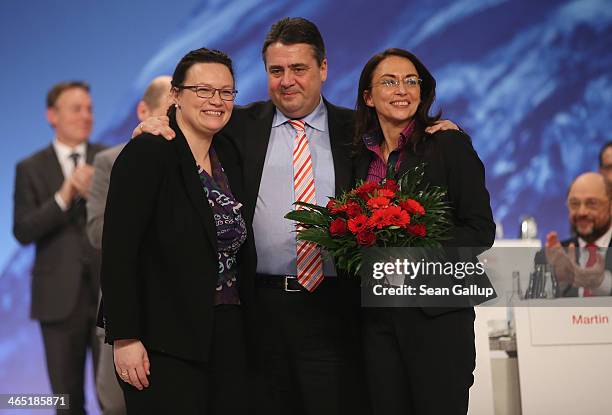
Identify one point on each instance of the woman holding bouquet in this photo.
(419, 360)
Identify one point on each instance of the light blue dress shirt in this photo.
(275, 235)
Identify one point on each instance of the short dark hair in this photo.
(293, 30)
(366, 120)
(202, 55)
(602, 151)
(59, 88)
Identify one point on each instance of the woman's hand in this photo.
(157, 126)
(441, 125)
(132, 362)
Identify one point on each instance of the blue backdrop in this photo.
(530, 81)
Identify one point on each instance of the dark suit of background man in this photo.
(583, 269)
(50, 191)
(155, 101)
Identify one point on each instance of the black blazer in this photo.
(452, 163)
(62, 249)
(159, 246)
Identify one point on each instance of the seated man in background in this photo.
(583, 269)
(154, 102)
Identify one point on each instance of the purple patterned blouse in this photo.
(231, 229)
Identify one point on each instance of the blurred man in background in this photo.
(154, 102)
(583, 269)
(51, 187)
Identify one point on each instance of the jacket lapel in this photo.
(93, 149)
(409, 161)
(231, 165)
(340, 137)
(54, 175)
(361, 163)
(193, 186)
(255, 155)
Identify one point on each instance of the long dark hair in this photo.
(366, 120)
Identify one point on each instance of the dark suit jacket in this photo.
(159, 246)
(451, 163)
(62, 249)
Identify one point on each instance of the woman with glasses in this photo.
(173, 296)
(419, 360)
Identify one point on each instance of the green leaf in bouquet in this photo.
(318, 208)
(308, 217)
(410, 180)
(319, 236)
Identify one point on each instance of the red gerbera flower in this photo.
(352, 209)
(379, 219)
(417, 230)
(378, 202)
(397, 216)
(391, 185)
(366, 238)
(413, 207)
(365, 190)
(358, 223)
(385, 193)
(337, 227)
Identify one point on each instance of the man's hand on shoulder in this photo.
(441, 125)
(159, 125)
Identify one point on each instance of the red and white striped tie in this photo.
(309, 262)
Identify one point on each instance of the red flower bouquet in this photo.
(388, 214)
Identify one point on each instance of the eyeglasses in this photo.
(590, 204)
(409, 82)
(209, 92)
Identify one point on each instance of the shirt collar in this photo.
(63, 151)
(374, 140)
(602, 242)
(317, 119)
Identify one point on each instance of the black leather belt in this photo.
(288, 283)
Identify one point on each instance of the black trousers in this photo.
(66, 344)
(308, 353)
(418, 364)
(179, 386)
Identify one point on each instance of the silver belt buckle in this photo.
(287, 289)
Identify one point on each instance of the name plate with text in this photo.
(571, 324)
